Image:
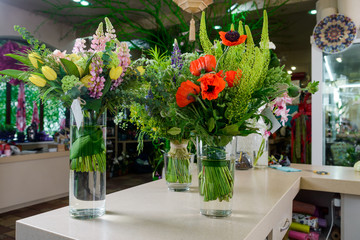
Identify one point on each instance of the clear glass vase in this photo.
(178, 163)
(87, 166)
(216, 164)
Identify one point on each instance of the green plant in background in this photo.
(158, 22)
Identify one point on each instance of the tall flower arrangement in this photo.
(225, 94)
(154, 107)
(87, 80)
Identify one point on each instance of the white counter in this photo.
(262, 203)
(29, 179)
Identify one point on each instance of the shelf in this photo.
(111, 138)
(132, 141)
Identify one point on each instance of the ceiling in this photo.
(292, 40)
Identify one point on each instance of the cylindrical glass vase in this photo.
(87, 165)
(216, 164)
(178, 163)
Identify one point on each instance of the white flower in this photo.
(272, 45)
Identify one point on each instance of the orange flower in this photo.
(183, 96)
(232, 38)
(207, 63)
(211, 85)
(231, 75)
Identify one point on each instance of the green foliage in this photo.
(153, 107)
(277, 75)
(204, 39)
(165, 20)
(70, 67)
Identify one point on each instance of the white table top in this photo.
(150, 211)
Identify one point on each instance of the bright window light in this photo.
(248, 6)
(327, 66)
(289, 72)
(293, 68)
(77, 1)
(217, 27)
(350, 86)
(313, 12)
(339, 59)
(233, 7)
(84, 3)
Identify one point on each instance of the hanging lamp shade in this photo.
(193, 6)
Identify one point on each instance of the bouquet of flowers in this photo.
(155, 111)
(89, 81)
(224, 95)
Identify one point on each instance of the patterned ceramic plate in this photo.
(334, 33)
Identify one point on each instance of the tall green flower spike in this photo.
(264, 46)
(241, 28)
(100, 30)
(204, 38)
(109, 26)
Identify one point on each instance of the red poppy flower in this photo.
(232, 38)
(231, 75)
(211, 85)
(183, 96)
(207, 63)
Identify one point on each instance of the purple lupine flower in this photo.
(176, 60)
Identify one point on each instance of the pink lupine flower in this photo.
(79, 46)
(96, 84)
(123, 53)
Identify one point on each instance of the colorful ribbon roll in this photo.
(303, 236)
(300, 227)
(313, 222)
(301, 207)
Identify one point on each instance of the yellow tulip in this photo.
(115, 72)
(85, 80)
(49, 73)
(37, 80)
(34, 59)
(141, 70)
(81, 71)
(74, 57)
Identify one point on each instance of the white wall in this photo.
(42, 28)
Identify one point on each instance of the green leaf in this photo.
(73, 93)
(174, 131)
(93, 104)
(21, 59)
(15, 74)
(70, 67)
(47, 92)
(211, 124)
(107, 86)
(224, 140)
(87, 145)
(230, 130)
(88, 62)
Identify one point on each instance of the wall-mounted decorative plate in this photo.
(334, 33)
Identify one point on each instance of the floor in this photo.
(8, 219)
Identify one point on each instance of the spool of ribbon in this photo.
(301, 207)
(300, 227)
